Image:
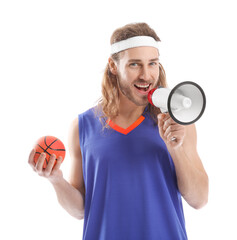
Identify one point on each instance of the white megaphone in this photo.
(185, 103)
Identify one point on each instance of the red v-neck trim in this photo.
(127, 130)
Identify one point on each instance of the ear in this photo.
(112, 66)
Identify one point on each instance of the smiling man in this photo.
(137, 72)
(128, 174)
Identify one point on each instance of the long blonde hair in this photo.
(108, 105)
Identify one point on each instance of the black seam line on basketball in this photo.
(45, 150)
(57, 149)
(48, 146)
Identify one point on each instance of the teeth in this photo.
(142, 86)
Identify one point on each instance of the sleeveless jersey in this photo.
(130, 182)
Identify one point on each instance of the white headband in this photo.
(139, 41)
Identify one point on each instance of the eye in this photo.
(153, 63)
(133, 64)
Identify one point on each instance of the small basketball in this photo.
(49, 145)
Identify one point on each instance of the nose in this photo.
(145, 73)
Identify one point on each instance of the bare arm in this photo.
(70, 194)
(76, 173)
(191, 176)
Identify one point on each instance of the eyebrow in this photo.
(139, 60)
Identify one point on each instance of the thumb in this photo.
(161, 116)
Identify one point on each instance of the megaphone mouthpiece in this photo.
(149, 96)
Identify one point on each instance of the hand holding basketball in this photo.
(49, 145)
(47, 157)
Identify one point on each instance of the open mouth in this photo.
(143, 87)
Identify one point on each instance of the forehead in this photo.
(142, 53)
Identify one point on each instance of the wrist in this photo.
(177, 151)
(56, 181)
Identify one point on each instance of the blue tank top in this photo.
(130, 182)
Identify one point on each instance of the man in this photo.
(130, 167)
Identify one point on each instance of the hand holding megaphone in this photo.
(185, 103)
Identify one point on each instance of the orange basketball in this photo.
(49, 145)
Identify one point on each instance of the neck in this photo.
(128, 110)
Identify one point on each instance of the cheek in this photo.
(132, 76)
(156, 73)
(128, 76)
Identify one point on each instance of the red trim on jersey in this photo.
(127, 130)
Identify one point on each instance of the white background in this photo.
(52, 56)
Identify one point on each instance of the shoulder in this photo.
(91, 112)
(84, 119)
(90, 120)
(76, 126)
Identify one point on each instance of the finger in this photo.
(168, 123)
(173, 137)
(178, 134)
(166, 116)
(160, 123)
(50, 165)
(40, 162)
(172, 128)
(58, 164)
(161, 116)
(31, 158)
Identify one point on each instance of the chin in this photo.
(140, 103)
